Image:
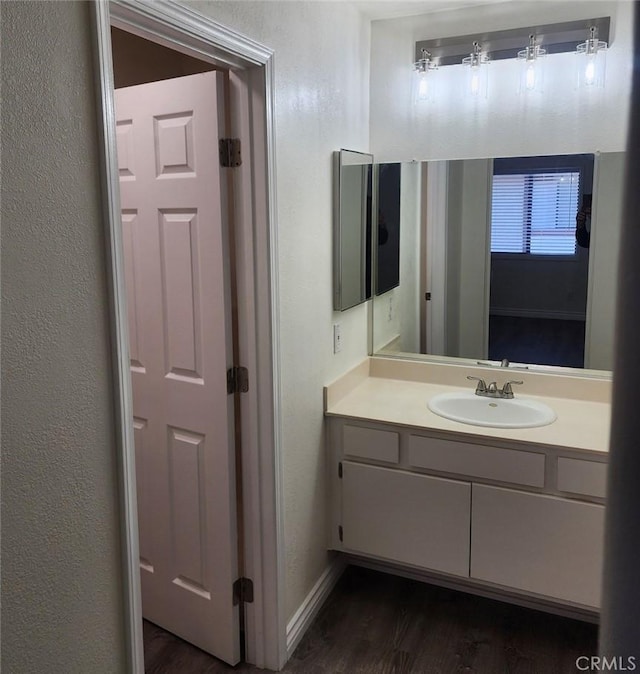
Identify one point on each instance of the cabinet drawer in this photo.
(537, 543)
(408, 518)
(582, 477)
(371, 443)
(493, 463)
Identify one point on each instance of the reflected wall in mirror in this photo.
(353, 172)
(510, 258)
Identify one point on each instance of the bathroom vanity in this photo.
(517, 514)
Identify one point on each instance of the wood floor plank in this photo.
(374, 623)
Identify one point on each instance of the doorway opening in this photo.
(177, 224)
(169, 45)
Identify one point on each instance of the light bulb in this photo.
(475, 82)
(531, 67)
(477, 63)
(591, 61)
(423, 83)
(423, 87)
(590, 73)
(530, 77)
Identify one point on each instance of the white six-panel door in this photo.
(174, 220)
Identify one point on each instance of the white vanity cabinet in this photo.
(520, 520)
(537, 543)
(415, 519)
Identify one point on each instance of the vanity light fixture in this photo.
(531, 67)
(423, 79)
(506, 44)
(477, 72)
(591, 57)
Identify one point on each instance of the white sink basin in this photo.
(468, 408)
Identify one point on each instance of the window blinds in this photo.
(535, 213)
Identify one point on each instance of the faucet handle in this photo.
(481, 387)
(507, 391)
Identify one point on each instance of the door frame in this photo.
(175, 26)
(436, 185)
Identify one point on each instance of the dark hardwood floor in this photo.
(374, 623)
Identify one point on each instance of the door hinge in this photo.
(230, 155)
(237, 380)
(340, 532)
(243, 591)
(340, 470)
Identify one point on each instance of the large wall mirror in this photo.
(506, 258)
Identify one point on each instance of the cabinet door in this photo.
(404, 517)
(542, 544)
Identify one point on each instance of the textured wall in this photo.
(61, 606)
(561, 120)
(322, 105)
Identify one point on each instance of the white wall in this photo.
(322, 105)
(61, 584)
(543, 288)
(562, 120)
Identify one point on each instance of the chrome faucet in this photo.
(504, 362)
(491, 390)
(507, 391)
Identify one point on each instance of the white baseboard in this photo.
(537, 313)
(392, 345)
(312, 603)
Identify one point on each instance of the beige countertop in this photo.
(581, 424)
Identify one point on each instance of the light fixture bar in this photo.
(504, 44)
(425, 62)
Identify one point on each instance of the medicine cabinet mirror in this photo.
(353, 194)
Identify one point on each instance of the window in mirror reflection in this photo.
(535, 213)
(540, 223)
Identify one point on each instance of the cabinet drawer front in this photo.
(371, 443)
(408, 518)
(537, 543)
(493, 463)
(582, 477)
